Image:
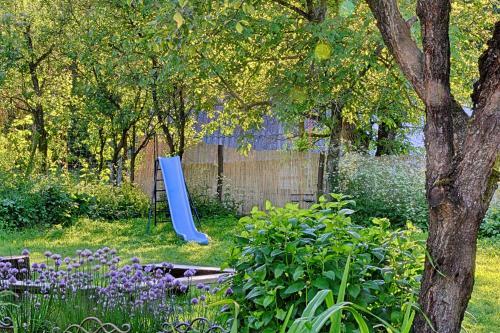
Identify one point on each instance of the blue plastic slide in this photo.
(178, 201)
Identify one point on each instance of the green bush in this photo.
(491, 224)
(208, 205)
(42, 201)
(389, 186)
(36, 201)
(104, 201)
(286, 255)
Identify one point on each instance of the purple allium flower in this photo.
(135, 260)
(200, 286)
(47, 254)
(25, 252)
(12, 279)
(183, 288)
(203, 298)
(23, 270)
(43, 266)
(189, 273)
(67, 260)
(58, 262)
(90, 258)
(194, 301)
(20, 261)
(229, 292)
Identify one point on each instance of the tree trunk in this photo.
(461, 155)
(102, 144)
(334, 151)
(385, 139)
(40, 139)
(133, 155)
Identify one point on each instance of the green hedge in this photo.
(42, 201)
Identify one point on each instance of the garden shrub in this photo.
(30, 202)
(208, 205)
(48, 200)
(104, 201)
(491, 224)
(389, 186)
(286, 255)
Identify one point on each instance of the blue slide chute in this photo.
(178, 201)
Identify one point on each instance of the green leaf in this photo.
(278, 270)
(178, 19)
(267, 300)
(268, 204)
(239, 28)
(296, 287)
(183, 3)
(354, 290)
(298, 273)
(257, 291)
(321, 283)
(322, 51)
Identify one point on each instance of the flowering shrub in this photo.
(62, 291)
(389, 186)
(286, 255)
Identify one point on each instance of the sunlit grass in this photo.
(128, 237)
(484, 308)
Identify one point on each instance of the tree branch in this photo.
(397, 36)
(296, 9)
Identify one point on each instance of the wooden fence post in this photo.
(220, 170)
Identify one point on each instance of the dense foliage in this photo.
(42, 201)
(491, 224)
(286, 255)
(388, 186)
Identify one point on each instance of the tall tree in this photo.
(462, 154)
(31, 32)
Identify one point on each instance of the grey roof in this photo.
(271, 135)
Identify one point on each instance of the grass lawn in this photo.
(130, 238)
(484, 308)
